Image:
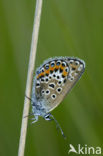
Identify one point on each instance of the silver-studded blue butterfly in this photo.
(53, 81)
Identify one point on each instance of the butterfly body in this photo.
(53, 81)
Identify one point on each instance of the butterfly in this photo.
(52, 82)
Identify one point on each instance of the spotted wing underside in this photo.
(55, 78)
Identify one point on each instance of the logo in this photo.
(84, 149)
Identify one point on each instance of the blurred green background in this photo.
(68, 28)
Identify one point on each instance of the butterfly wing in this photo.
(55, 78)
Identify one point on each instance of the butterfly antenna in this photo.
(30, 114)
(28, 98)
(58, 126)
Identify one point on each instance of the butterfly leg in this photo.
(35, 119)
(47, 117)
(51, 117)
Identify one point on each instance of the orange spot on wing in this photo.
(57, 67)
(61, 67)
(64, 73)
(52, 68)
(37, 77)
(41, 74)
(47, 71)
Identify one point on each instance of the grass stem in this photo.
(30, 76)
